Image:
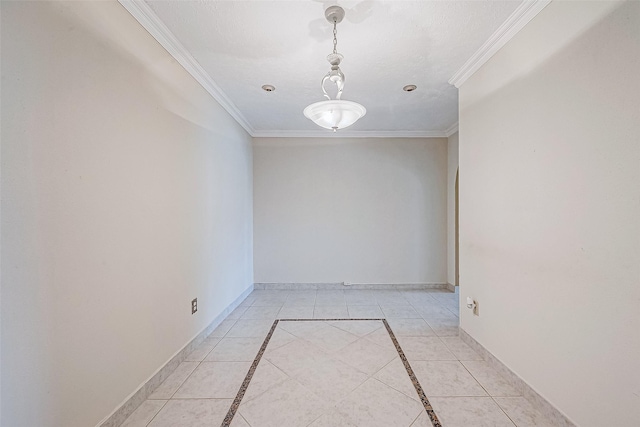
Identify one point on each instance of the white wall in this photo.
(126, 192)
(550, 208)
(354, 210)
(452, 170)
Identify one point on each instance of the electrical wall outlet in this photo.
(194, 305)
(476, 309)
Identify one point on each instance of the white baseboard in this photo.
(342, 285)
(539, 402)
(135, 399)
(451, 287)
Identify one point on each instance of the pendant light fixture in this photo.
(335, 113)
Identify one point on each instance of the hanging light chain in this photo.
(335, 37)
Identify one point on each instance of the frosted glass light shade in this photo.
(334, 114)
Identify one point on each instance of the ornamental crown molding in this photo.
(348, 134)
(159, 31)
(143, 13)
(520, 17)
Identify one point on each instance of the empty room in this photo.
(294, 213)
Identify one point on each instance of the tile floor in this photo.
(337, 373)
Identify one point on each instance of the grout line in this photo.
(415, 419)
(423, 398)
(156, 414)
(185, 380)
(390, 386)
(503, 411)
(245, 420)
(476, 380)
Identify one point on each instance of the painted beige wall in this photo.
(354, 210)
(550, 208)
(126, 192)
(452, 169)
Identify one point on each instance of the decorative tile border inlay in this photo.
(423, 398)
(245, 384)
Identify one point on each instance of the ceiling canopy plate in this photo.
(334, 13)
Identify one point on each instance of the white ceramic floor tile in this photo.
(222, 328)
(247, 328)
(365, 312)
(400, 312)
(329, 293)
(359, 328)
(460, 349)
(435, 312)
(360, 298)
(490, 379)
(381, 337)
(203, 349)
(330, 379)
(423, 420)
(375, 404)
(237, 313)
(395, 376)
(447, 298)
(269, 301)
(446, 378)
(333, 418)
(298, 312)
(410, 328)
(192, 413)
(294, 356)
(367, 356)
(266, 312)
(522, 413)
(298, 300)
(265, 377)
(425, 348)
(331, 338)
(235, 350)
(390, 299)
(418, 298)
(331, 298)
(330, 312)
(174, 381)
(444, 327)
(287, 404)
(247, 302)
(302, 329)
(279, 338)
(238, 421)
(469, 411)
(144, 413)
(215, 380)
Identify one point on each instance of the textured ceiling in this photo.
(386, 45)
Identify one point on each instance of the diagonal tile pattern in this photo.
(337, 372)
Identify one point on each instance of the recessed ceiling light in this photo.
(268, 88)
(409, 88)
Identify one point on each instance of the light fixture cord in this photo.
(335, 37)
